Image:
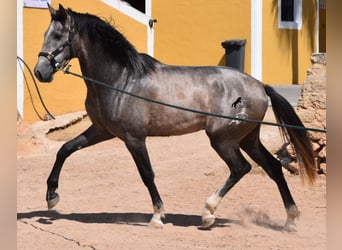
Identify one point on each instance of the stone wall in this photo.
(312, 111)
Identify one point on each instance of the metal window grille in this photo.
(287, 10)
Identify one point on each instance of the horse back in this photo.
(215, 90)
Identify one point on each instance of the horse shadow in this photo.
(131, 218)
(138, 219)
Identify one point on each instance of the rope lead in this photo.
(67, 71)
(48, 115)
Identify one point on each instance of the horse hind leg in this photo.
(254, 148)
(238, 166)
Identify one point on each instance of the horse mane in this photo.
(112, 42)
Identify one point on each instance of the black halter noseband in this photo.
(51, 55)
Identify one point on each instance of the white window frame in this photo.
(37, 3)
(143, 18)
(298, 17)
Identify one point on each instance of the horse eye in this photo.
(57, 36)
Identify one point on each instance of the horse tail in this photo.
(285, 114)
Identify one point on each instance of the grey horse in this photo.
(105, 55)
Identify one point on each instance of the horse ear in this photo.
(52, 10)
(61, 9)
(63, 12)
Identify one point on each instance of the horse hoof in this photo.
(156, 224)
(292, 213)
(289, 227)
(207, 220)
(53, 202)
(156, 221)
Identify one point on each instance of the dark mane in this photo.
(107, 38)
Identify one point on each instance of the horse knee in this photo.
(68, 148)
(64, 152)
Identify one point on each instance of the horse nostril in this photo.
(38, 74)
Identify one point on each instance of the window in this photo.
(290, 14)
(37, 3)
(137, 4)
(287, 10)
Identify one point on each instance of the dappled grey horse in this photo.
(106, 56)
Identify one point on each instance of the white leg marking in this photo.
(208, 217)
(156, 221)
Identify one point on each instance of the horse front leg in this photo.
(138, 150)
(89, 137)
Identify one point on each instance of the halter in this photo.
(51, 55)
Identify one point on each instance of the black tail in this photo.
(285, 114)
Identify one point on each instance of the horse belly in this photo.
(177, 123)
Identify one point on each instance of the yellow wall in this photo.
(67, 93)
(190, 32)
(187, 32)
(286, 53)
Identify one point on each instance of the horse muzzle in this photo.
(44, 71)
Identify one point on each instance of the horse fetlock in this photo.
(208, 217)
(293, 212)
(212, 202)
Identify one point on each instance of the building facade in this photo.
(280, 37)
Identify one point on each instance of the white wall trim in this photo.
(137, 16)
(148, 8)
(20, 53)
(317, 26)
(150, 30)
(256, 39)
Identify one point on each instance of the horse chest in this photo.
(99, 111)
(109, 116)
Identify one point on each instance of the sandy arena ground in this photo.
(104, 204)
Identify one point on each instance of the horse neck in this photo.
(95, 63)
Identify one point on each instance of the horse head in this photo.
(58, 45)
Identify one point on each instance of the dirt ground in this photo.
(104, 204)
